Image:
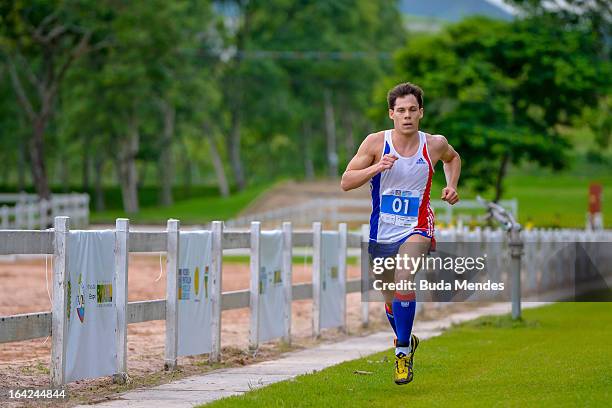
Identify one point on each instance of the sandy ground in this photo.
(26, 363)
(291, 193)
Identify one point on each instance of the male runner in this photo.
(399, 164)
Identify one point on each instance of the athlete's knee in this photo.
(404, 274)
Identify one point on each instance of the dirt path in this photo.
(292, 193)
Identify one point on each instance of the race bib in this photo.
(400, 207)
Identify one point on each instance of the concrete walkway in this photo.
(217, 384)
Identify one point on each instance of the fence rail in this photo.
(29, 212)
(34, 325)
(30, 326)
(353, 211)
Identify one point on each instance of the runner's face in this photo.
(406, 115)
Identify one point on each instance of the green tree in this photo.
(13, 153)
(595, 15)
(307, 71)
(40, 41)
(131, 95)
(499, 91)
(594, 19)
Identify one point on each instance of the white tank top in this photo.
(400, 195)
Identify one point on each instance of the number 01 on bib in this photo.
(400, 207)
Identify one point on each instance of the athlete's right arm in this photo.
(363, 166)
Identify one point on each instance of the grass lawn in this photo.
(556, 200)
(192, 211)
(559, 355)
(549, 199)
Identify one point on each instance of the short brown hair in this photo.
(402, 90)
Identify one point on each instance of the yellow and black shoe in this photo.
(404, 363)
(401, 369)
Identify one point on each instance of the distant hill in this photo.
(452, 10)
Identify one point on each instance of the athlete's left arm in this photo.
(452, 167)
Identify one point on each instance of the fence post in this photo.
(316, 279)
(516, 250)
(85, 209)
(254, 295)
(216, 293)
(19, 209)
(365, 276)
(451, 212)
(74, 207)
(59, 324)
(342, 244)
(43, 205)
(69, 209)
(122, 234)
(29, 212)
(287, 278)
(173, 229)
(23, 197)
(54, 207)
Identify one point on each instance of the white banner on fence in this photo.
(332, 290)
(194, 293)
(271, 295)
(91, 311)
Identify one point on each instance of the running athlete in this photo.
(399, 164)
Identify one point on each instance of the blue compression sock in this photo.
(404, 307)
(389, 312)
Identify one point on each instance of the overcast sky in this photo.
(503, 5)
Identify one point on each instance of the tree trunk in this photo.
(21, 168)
(47, 84)
(349, 140)
(307, 152)
(187, 175)
(86, 164)
(64, 173)
(127, 171)
(37, 159)
(245, 8)
(6, 174)
(166, 165)
(500, 176)
(38, 121)
(217, 163)
(98, 190)
(330, 131)
(234, 150)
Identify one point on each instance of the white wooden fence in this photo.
(548, 261)
(537, 276)
(29, 212)
(354, 211)
(35, 325)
